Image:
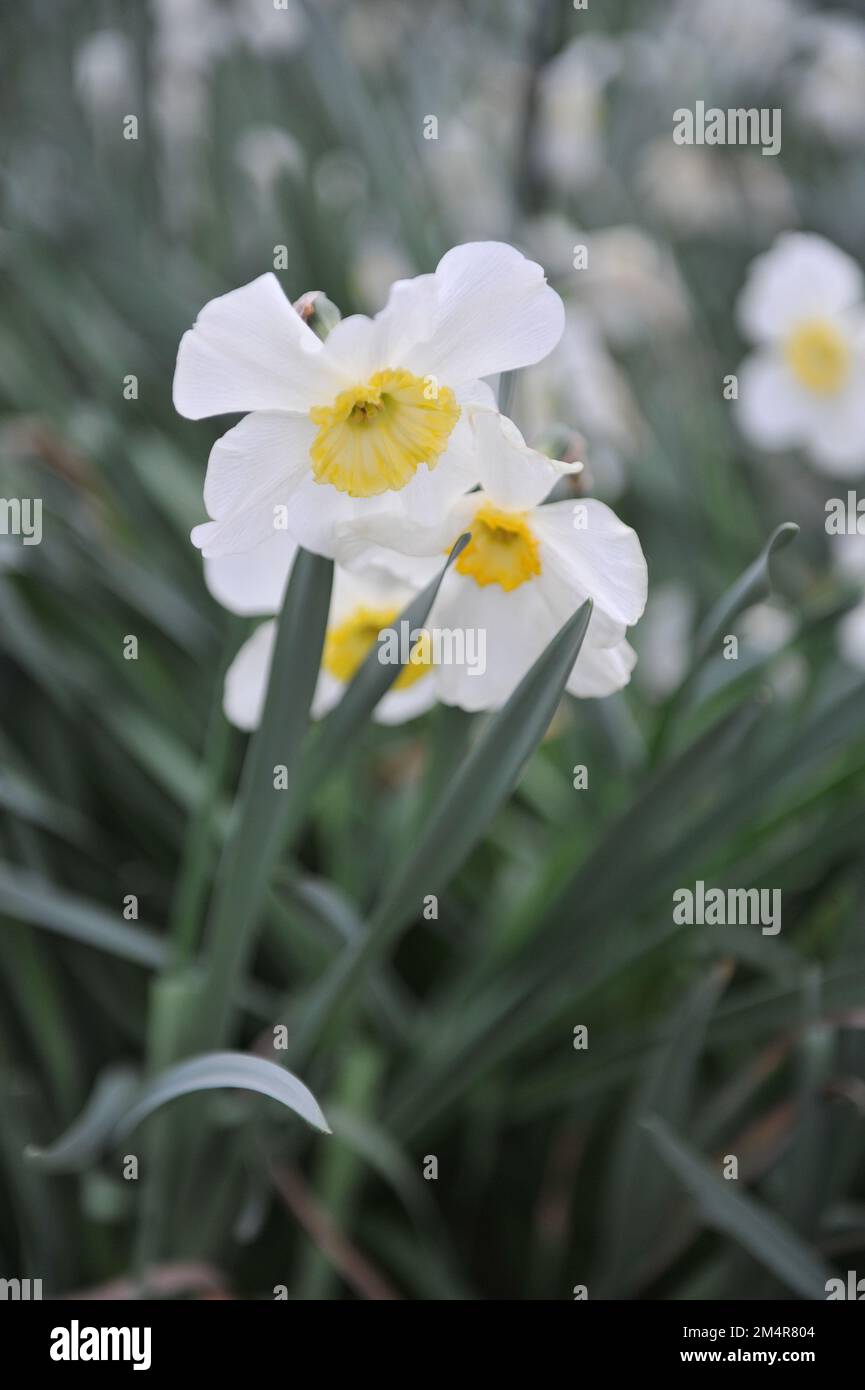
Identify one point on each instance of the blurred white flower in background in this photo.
(378, 263)
(580, 385)
(766, 627)
(705, 192)
(663, 639)
(848, 559)
(552, 237)
(470, 180)
(267, 30)
(828, 94)
(848, 556)
(341, 183)
(189, 39)
(266, 153)
(632, 286)
(105, 72)
(472, 162)
(569, 146)
(267, 157)
(629, 282)
(802, 305)
(188, 36)
(375, 35)
(851, 637)
(736, 41)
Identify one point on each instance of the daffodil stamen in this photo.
(818, 356)
(374, 437)
(503, 549)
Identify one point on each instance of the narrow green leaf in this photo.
(218, 1071)
(755, 583)
(742, 1218)
(606, 880)
(21, 798)
(373, 680)
(485, 779)
(27, 898)
(751, 586)
(257, 832)
(84, 1140)
(639, 1190)
(461, 816)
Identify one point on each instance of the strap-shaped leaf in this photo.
(753, 584)
(87, 1136)
(372, 680)
(119, 1102)
(257, 832)
(460, 817)
(743, 1218)
(218, 1071)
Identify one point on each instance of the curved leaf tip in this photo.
(225, 1070)
(118, 1104)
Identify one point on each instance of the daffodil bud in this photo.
(318, 312)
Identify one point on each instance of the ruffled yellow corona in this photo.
(374, 437)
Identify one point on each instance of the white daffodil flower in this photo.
(524, 572)
(362, 606)
(804, 386)
(374, 419)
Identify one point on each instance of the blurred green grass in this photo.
(118, 776)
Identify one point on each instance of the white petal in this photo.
(513, 475)
(398, 706)
(262, 451)
(372, 587)
(253, 583)
(319, 516)
(772, 407)
(494, 312)
(246, 679)
(408, 318)
(353, 345)
(836, 430)
(363, 345)
(254, 475)
(430, 494)
(328, 692)
(250, 350)
(600, 671)
(803, 275)
(602, 560)
(507, 630)
(476, 394)
(405, 547)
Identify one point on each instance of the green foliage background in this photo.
(451, 1038)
